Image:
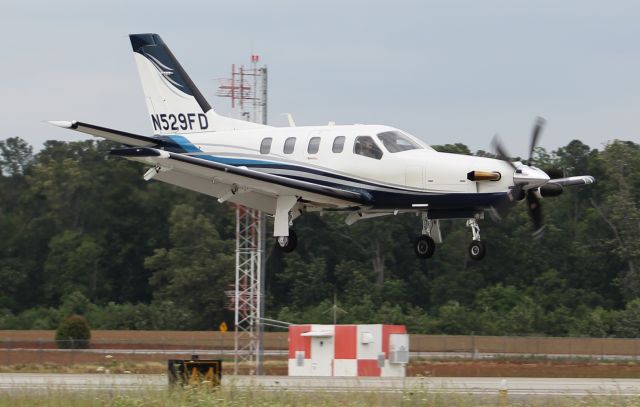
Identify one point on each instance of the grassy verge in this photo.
(195, 397)
(120, 367)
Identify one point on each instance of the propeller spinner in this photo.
(529, 182)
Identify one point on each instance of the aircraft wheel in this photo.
(287, 244)
(424, 247)
(477, 250)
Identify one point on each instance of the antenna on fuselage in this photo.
(292, 123)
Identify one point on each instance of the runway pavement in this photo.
(27, 382)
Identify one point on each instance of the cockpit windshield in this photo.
(395, 142)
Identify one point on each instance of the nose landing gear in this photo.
(476, 249)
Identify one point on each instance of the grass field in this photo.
(201, 397)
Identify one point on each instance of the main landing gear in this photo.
(287, 244)
(425, 244)
(286, 238)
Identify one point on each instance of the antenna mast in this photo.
(247, 89)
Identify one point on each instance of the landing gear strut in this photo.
(476, 248)
(286, 239)
(424, 245)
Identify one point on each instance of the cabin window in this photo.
(364, 145)
(395, 142)
(265, 146)
(289, 145)
(314, 145)
(338, 144)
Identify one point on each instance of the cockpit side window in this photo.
(364, 145)
(265, 146)
(289, 145)
(395, 142)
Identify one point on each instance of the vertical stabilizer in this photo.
(175, 104)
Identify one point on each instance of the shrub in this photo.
(73, 333)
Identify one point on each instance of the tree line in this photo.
(82, 233)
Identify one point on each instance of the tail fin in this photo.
(174, 102)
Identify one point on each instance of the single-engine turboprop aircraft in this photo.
(365, 171)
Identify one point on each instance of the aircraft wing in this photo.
(241, 185)
(238, 184)
(123, 137)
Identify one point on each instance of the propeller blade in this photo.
(504, 206)
(573, 181)
(516, 194)
(554, 172)
(535, 213)
(551, 189)
(535, 134)
(500, 151)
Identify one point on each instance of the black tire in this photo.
(424, 247)
(477, 250)
(287, 244)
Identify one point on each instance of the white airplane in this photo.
(365, 171)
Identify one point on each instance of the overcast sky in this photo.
(446, 71)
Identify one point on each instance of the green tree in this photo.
(621, 210)
(456, 319)
(15, 155)
(628, 321)
(73, 265)
(196, 270)
(505, 310)
(73, 333)
(306, 280)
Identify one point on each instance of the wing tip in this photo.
(65, 124)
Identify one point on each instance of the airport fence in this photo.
(39, 347)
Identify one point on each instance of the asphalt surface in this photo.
(26, 382)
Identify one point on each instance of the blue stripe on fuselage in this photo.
(404, 198)
(180, 144)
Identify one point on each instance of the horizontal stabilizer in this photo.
(123, 137)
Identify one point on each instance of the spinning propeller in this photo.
(529, 182)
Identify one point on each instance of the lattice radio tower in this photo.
(247, 89)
